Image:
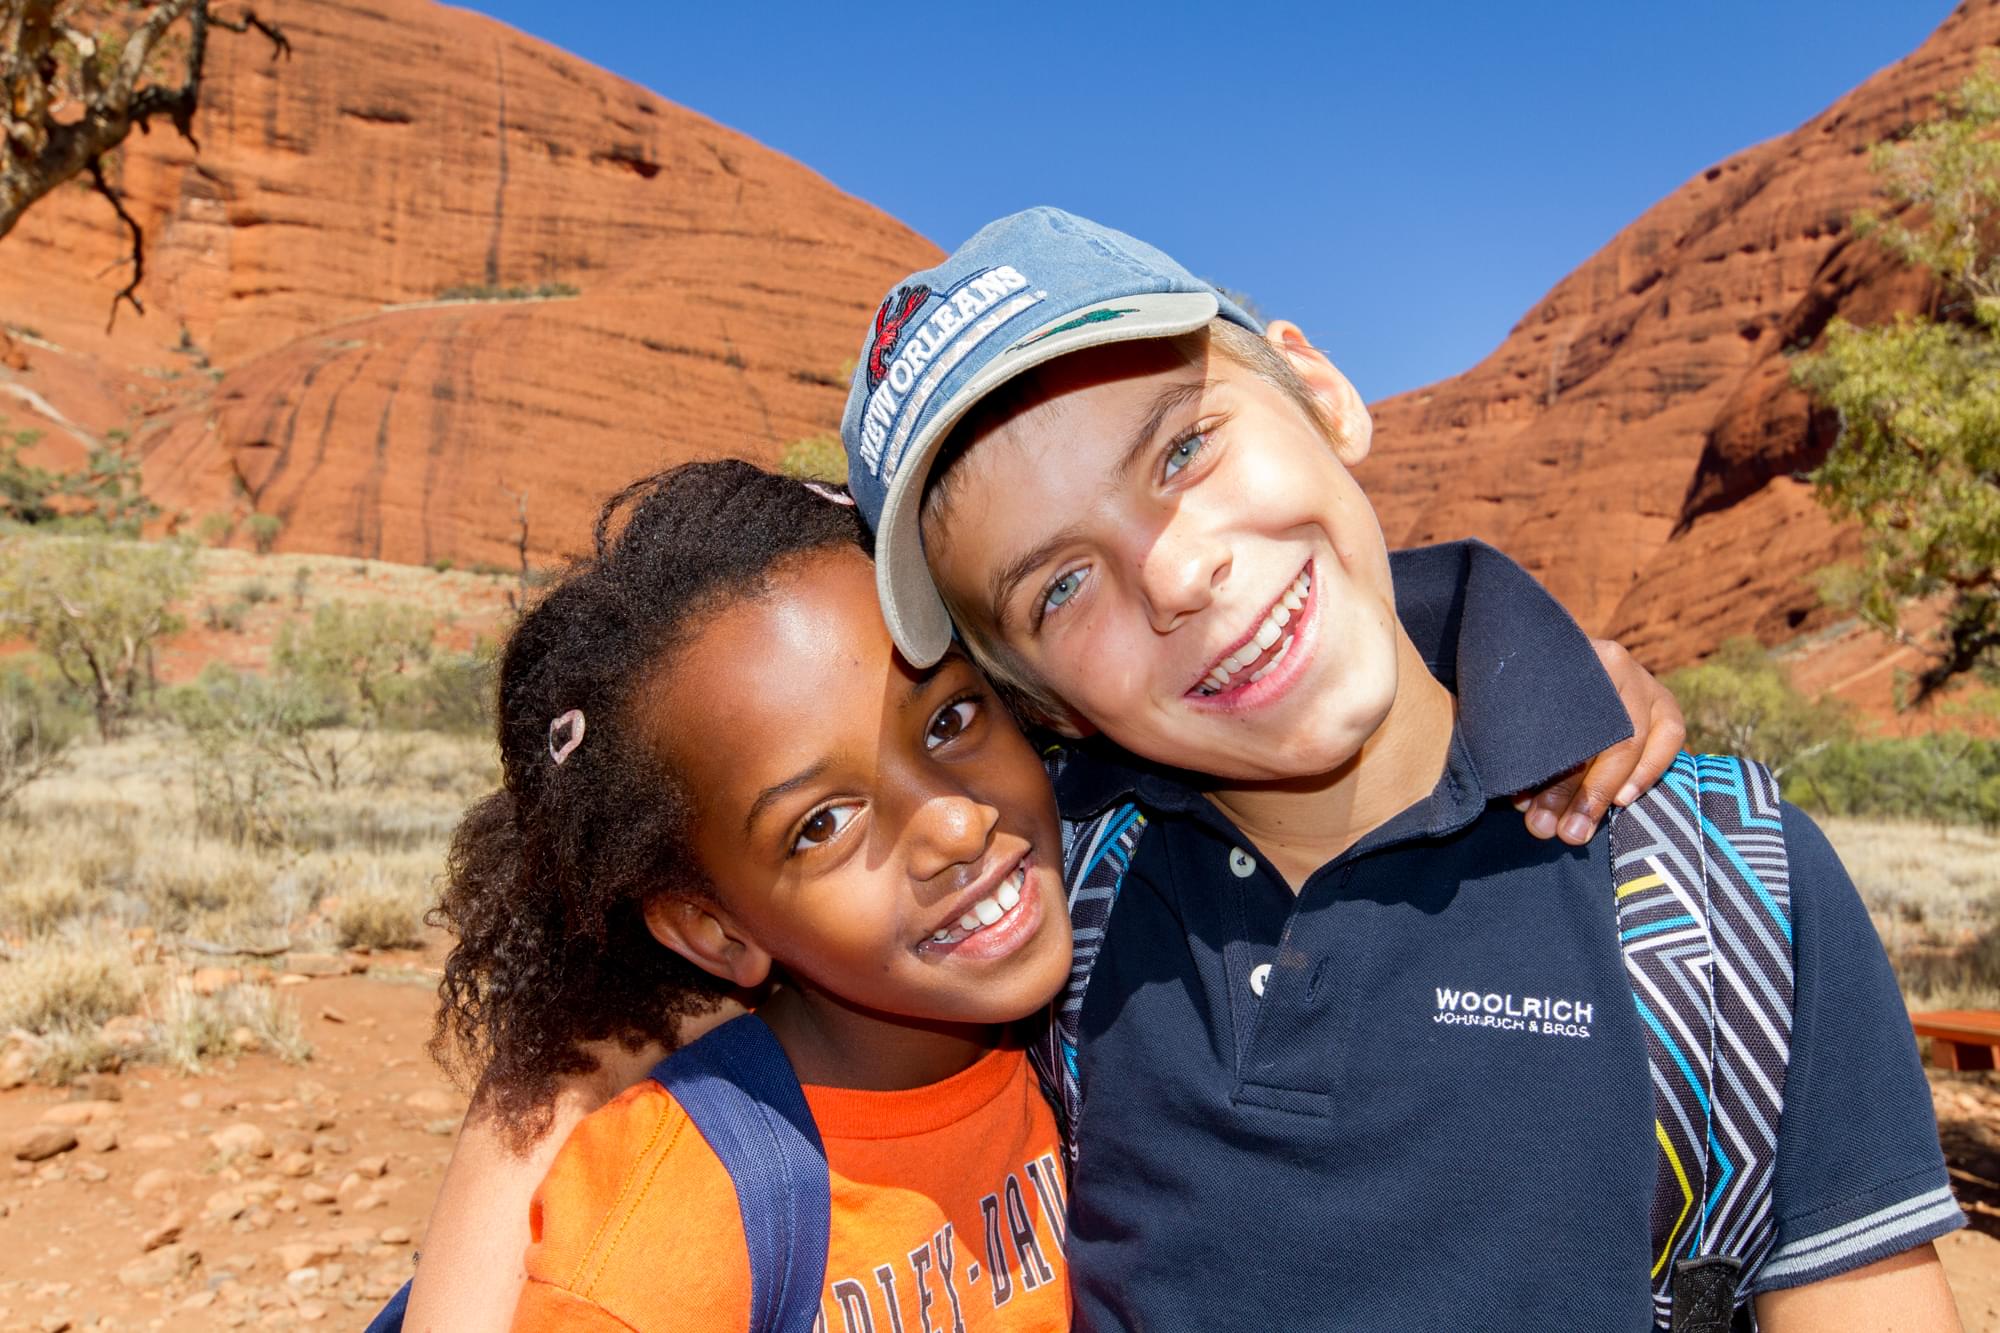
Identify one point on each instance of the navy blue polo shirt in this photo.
(1279, 1128)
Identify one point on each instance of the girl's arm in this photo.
(470, 1275)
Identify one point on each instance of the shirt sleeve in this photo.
(545, 1308)
(1860, 1175)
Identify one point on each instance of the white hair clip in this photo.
(825, 492)
(573, 722)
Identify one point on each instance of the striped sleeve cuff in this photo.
(1839, 1249)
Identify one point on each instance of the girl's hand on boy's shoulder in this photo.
(1574, 805)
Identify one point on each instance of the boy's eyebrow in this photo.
(775, 790)
(1167, 401)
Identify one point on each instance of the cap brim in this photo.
(916, 615)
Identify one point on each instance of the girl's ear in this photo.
(706, 936)
(1338, 398)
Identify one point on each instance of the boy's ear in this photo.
(706, 936)
(1353, 426)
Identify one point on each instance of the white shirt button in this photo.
(1258, 976)
(1240, 863)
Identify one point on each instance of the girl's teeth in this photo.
(1010, 896)
(941, 937)
(987, 910)
(970, 921)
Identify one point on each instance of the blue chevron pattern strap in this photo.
(1704, 918)
(1096, 854)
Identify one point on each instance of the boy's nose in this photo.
(1179, 576)
(949, 831)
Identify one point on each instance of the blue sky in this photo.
(1403, 179)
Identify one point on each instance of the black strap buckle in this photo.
(1705, 1293)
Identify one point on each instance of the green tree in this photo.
(1741, 702)
(357, 657)
(1917, 464)
(95, 606)
(104, 495)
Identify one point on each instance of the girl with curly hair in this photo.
(720, 776)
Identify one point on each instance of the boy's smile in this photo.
(1170, 543)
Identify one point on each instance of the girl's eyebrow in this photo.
(773, 792)
(814, 770)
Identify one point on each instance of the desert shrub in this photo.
(37, 728)
(37, 906)
(243, 734)
(225, 619)
(263, 530)
(1947, 777)
(68, 984)
(454, 694)
(1741, 702)
(232, 1020)
(490, 291)
(255, 592)
(816, 458)
(378, 920)
(214, 529)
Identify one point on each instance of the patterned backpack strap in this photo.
(1096, 853)
(1704, 918)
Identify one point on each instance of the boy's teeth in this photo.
(1269, 632)
(1272, 665)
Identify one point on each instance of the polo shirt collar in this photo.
(1533, 700)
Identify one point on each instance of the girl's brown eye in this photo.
(822, 826)
(949, 723)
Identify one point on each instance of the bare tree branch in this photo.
(130, 291)
(63, 107)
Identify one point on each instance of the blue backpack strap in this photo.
(1704, 919)
(1096, 854)
(389, 1319)
(742, 1094)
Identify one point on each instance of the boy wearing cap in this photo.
(1353, 1040)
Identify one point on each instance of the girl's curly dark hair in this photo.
(547, 876)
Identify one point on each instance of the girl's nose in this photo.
(949, 831)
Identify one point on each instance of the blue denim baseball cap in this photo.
(1026, 289)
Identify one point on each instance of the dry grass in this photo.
(1934, 894)
(107, 871)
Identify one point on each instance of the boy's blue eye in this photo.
(1183, 453)
(1062, 590)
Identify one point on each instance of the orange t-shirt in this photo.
(947, 1215)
